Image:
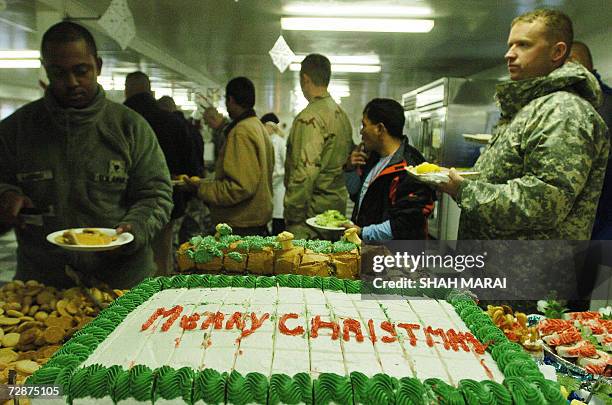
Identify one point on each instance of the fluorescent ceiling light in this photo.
(295, 67)
(347, 59)
(356, 24)
(19, 63)
(351, 10)
(20, 54)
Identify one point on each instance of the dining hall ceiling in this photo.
(216, 40)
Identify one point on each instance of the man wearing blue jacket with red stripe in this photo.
(389, 204)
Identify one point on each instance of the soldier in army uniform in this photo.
(542, 172)
(318, 144)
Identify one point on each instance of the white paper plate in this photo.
(312, 222)
(437, 177)
(121, 240)
(478, 138)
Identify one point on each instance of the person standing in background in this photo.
(319, 142)
(241, 192)
(279, 143)
(541, 173)
(177, 145)
(81, 160)
(602, 229)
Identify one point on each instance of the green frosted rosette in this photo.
(257, 384)
(282, 280)
(92, 330)
(411, 391)
(380, 389)
(237, 281)
(141, 382)
(352, 286)
(79, 387)
(474, 393)
(174, 384)
(445, 394)
(98, 383)
(343, 246)
(209, 386)
(507, 357)
(468, 310)
(197, 281)
(320, 246)
(359, 381)
(78, 350)
(332, 388)
(499, 392)
(266, 282)
(44, 376)
(178, 281)
(235, 256)
(551, 391)
(317, 282)
(505, 347)
(286, 390)
(307, 282)
(491, 334)
(524, 393)
(237, 392)
(333, 284)
(294, 281)
(250, 281)
(63, 361)
(120, 387)
(220, 281)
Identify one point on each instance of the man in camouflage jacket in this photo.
(318, 145)
(542, 172)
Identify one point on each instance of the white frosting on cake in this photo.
(272, 349)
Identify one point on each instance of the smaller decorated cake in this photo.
(281, 254)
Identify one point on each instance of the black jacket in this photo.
(174, 139)
(395, 196)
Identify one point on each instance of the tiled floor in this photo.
(8, 256)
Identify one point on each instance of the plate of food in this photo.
(478, 138)
(89, 239)
(432, 173)
(330, 220)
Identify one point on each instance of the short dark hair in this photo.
(587, 52)
(388, 112)
(242, 90)
(318, 68)
(138, 77)
(558, 24)
(269, 117)
(67, 31)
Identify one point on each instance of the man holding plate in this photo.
(75, 159)
(542, 172)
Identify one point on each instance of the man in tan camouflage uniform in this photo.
(319, 142)
(542, 172)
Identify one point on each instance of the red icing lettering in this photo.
(430, 332)
(172, 313)
(351, 325)
(190, 322)
(478, 347)
(457, 339)
(213, 318)
(235, 319)
(255, 323)
(282, 327)
(372, 331)
(388, 327)
(409, 327)
(317, 324)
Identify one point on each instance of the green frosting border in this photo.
(190, 386)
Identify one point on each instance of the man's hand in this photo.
(11, 204)
(357, 158)
(452, 186)
(192, 183)
(349, 225)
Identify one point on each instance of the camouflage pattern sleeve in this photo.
(553, 151)
(302, 166)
